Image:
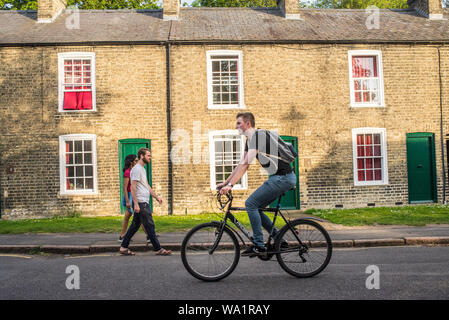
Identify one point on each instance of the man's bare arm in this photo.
(236, 169)
(239, 171)
(134, 195)
(155, 196)
(243, 166)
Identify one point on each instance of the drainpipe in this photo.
(441, 128)
(168, 112)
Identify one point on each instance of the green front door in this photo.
(421, 167)
(291, 198)
(131, 146)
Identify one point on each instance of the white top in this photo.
(139, 174)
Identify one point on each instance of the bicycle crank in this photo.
(267, 255)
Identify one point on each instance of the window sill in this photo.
(78, 193)
(76, 111)
(357, 106)
(370, 184)
(225, 106)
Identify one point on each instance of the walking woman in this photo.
(127, 202)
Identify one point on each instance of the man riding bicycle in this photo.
(281, 179)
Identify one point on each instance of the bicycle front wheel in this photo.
(308, 257)
(198, 259)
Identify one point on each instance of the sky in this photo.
(187, 1)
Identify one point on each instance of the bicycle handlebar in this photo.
(222, 202)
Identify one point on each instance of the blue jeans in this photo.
(145, 218)
(262, 197)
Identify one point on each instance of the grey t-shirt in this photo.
(139, 174)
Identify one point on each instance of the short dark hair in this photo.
(247, 116)
(142, 152)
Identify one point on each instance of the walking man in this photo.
(140, 192)
(259, 144)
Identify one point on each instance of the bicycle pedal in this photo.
(252, 255)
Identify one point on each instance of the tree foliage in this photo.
(83, 4)
(18, 4)
(360, 4)
(234, 3)
(330, 4)
(153, 4)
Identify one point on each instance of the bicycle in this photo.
(211, 251)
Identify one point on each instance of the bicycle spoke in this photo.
(199, 260)
(309, 258)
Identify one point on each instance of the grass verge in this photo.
(111, 224)
(416, 215)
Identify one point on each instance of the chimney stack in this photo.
(290, 9)
(48, 10)
(171, 9)
(432, 9)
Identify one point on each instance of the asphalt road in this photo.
(403, 273)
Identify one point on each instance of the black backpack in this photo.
(286, 151)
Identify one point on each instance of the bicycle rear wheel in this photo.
(196, 256)
(312, 256)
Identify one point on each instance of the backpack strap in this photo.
(271, 155)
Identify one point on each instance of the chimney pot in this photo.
(48, 10)
(432, 9)
(171, 9)
(290, 9)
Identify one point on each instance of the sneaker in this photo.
(148, 239)
(120, 239)
(284, 244)
(254, 251)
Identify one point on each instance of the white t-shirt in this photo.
(139, 174)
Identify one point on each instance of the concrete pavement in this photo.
(342, 237)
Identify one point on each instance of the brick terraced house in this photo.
(362, 94)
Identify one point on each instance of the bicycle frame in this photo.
(234, 220)
(301, 258)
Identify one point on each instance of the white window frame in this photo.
(75, 55)
(378, 54)
(383, 142)
(213, 183)
(241, 103)
(62, 164)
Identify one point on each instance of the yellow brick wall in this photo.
(131, 103)
(303, 91)
(300, 90)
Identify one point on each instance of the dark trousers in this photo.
(145, 218)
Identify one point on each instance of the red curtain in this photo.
(368, 167)
(361, 175)
(77, 72)
(364, 66)
(378, 174)
(81, 100)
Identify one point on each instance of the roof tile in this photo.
(222, 24)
